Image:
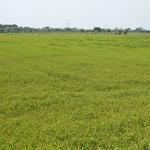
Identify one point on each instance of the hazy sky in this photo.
(79, 13)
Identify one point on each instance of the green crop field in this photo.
(68, 91)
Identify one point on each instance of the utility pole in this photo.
(67, 24)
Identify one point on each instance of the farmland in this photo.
(74, 91)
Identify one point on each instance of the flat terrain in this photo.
(69, 91)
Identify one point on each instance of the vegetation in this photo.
(15, 29)
(74, 91)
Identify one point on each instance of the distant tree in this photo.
(125, 31)
(68, 29)
(108, 30)
(7, 28)
(47, 28)
(97, 29)
(118, 31)
(82, 30)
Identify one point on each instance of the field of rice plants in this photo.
(68, 91)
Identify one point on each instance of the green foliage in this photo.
(74, 91)
(16, 29)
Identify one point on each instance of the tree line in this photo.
(17, 29)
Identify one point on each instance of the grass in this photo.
(74, 91)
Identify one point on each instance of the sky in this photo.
(76, 13)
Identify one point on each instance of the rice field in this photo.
(68, 91)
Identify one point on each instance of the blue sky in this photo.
(79, 13)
